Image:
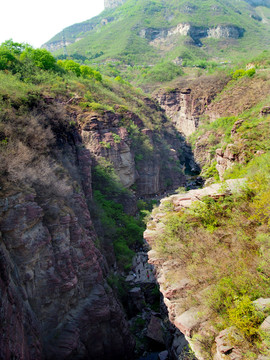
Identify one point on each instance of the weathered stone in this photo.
(137, 299)
(188, 322)
(265, 326)
(262, 304)
(163, 355)
(154, 330)
(226, 348)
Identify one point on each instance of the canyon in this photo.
(82, 159)
(55, 299)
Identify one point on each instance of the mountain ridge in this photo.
(156, 41)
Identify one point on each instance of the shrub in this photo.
(238, 74)
(245, 317)
(250, 72)
(70, 65)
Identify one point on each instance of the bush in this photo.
(245, 317)
(42, 58)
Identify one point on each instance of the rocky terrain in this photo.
(194, 321)
(55, 299)
(187, 101)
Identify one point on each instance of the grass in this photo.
(118, 43)
(225, 242)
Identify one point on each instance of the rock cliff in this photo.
(108, 4)
(196, 33)
(187, 101)
(55, 300)
(192, 315)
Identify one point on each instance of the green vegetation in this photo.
(129, 40)
(224, 240)
(124, 231)
(222, 243)
(242, 136)
(31, 81)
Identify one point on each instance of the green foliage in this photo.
(130, 44)
(245, 317)
(163, 72)
(123, 230)
(118, 283)
(116, 138)
(42, 58)
(210, 171)
(250, 72)
(88, 72)
(70, 65)
(105, 144)
(7, 60)
(240, 73)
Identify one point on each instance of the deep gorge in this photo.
(83, 160)
(59, 274)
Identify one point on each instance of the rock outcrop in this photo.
(151, 166)
(109, 4)
(172, 277)
(196, 33)
(186, 103)
(55, 302)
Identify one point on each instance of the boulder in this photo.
(154, 330)
(188, 322)
(265, 326)
(226, 347)
(262, 304)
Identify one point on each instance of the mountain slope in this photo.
(146, 33)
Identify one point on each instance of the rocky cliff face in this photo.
(109, 4)
(188, 100)
(157, 36)
(190, 317)
(149, 163)
(55, 301)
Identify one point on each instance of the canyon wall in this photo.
(55, 300)
(188, 100)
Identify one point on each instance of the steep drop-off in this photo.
(210, 246)
(55, 148)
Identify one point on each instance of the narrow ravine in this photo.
(159, 339)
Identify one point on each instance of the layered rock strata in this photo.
(157, 36)
(149, 170)
(55, 302)
(175, 285)
(187, 102)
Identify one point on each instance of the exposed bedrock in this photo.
(54, 299)
(156, 35)
(150, 167)
(187, 101)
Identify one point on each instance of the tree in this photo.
(42, 58)
(70, 65)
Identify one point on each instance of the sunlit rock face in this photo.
(109, 4)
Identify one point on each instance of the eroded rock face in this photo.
(159, 35)
(175, 284)
(54, 299)
(187, 102)
(53, 294)
(150, 172)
